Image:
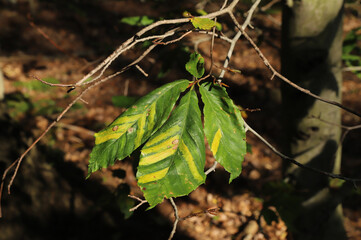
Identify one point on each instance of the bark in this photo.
(311, 57)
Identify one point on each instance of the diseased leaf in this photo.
(223, 127)
(172, 161)
(203, 23)
(134, 126)
(195, 65)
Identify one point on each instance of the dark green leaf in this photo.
(172, 161)
(223, 127)
(134, 126)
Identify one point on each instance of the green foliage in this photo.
(123, 101)
(171, 143)
(351, 51)
(195, 65)
(137, 21)
(223, 126)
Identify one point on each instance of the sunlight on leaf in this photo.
(203, 23)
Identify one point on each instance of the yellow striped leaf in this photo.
(223, 127)
(132, 128)
(172, 161)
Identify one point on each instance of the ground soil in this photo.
(64, 41)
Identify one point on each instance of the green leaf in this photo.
(195, 65)
(123, 101)
(137, 21)
(172, 161)
(134, 126)
(203, 23)
(223, 127)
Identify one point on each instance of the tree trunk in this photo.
(311, 58)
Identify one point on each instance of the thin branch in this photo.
(142, 201)
(269, 5)
(174, 40)
(286, 80)
(217, 35)
(176, 218)
(213, 211)
(135, 39)
(211, 169)
(141, 70)
(42, 33)
(295, 162)
(236, 37)
(51, 84)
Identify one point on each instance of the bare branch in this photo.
(138, 205)
(293, 161)
(211, 169)
(176, 219)
(236, 37)
(135, 39)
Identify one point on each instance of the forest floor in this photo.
(61, 42)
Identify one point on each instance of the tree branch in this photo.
(293, 161)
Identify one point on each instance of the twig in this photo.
(174, 40)
(42, 33)
(217, 35)
(211, 169)
(280, 76)
(135, 39)
(212, 211)
(138, 199)
(176, 219)
(269, 5)
(235, 39)
(293, 161)
(51, 84)
(141, 70)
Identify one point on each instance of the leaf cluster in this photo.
(171, 139)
